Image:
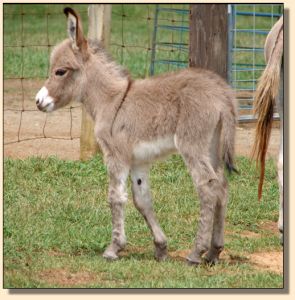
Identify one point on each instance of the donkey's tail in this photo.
(229, 120)
(266, 93)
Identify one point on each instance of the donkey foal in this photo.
(136, 122)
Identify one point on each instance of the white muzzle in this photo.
(44, 102)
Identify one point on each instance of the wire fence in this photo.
(30, 33)
(28, 41)
(146, 39)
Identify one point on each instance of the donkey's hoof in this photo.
(161, 256)
(193, 260)
(211, 261)
(212, 256)
(110, 255)
(192, 263)
(161, 252)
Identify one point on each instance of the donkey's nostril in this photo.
(37, 101)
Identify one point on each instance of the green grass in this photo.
(57, 224)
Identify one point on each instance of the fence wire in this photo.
(30, 33)
(28, 42)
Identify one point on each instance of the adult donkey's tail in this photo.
(266, 93)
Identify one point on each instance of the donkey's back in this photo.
(163, 112)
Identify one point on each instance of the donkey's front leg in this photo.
(143, 202)
(117, 199)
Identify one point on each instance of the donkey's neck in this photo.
(106, 86)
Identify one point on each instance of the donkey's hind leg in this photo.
(209, 189)
(217, 242)
(143, 202)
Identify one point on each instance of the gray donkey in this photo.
(192, 111)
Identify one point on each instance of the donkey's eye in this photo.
(60, 72)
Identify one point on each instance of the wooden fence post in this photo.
(99, 28)
(209, 37)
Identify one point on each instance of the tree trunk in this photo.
(209, 37)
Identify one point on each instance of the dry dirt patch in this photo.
(268, 261)
(249, 234)
(266, 227)
(245, 138)
(65, 278)
(270, 226)
(263, 261)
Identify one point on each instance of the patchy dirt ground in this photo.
(264, 261)
(270, 261)
(65, 278)
(65, 124)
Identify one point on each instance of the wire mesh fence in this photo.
(146, 39)
(30, 33)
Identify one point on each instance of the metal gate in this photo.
(248, 26)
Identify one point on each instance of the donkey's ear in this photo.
(75, 30)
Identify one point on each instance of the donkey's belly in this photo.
(148, 151)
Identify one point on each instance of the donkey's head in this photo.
(67, 74)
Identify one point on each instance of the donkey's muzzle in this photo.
(44, 102)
